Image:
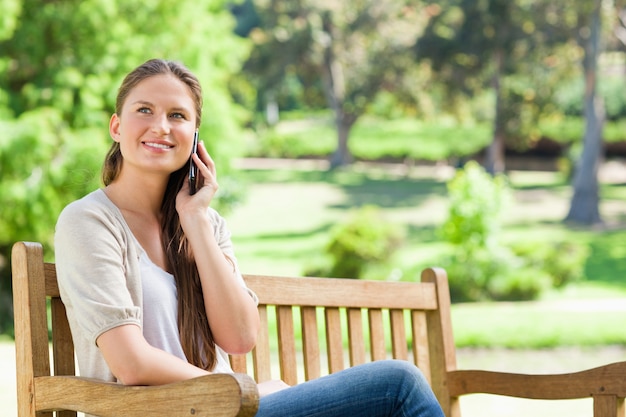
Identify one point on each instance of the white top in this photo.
(160, 313)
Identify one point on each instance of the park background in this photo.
(326, 119)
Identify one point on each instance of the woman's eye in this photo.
(177, 115)
(143, 110)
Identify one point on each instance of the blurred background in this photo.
(363, 139)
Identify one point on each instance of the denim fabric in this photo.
(389, 388)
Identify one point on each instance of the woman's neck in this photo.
(141, 195)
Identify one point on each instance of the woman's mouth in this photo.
(158, 145)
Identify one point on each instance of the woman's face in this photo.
(156, 126)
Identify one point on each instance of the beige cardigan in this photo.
(97, 261)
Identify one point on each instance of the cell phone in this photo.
(193, 169)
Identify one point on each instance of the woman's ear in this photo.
(114, 127)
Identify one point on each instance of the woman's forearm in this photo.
(232, 313)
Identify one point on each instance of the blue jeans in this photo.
(389, 388)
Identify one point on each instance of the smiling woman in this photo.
(147, 272)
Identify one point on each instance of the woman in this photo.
(147, 272)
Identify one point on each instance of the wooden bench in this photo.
(310, 327)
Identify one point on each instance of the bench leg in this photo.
(608, 406)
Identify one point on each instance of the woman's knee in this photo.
(398, 369)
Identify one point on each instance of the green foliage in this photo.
(477, 202)
(480, 266)
(60, 67)
(63, 96)
(344, 52)
(563, 262)
(570, 96)
(363, 241)
(313, 135)
(520, 49)
(309, 201)
(40, 172)
(10, 10)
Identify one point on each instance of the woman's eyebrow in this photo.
(180, 109)
(148, 103)
(142, 102)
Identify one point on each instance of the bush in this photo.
(476, 204)
(479, 266)
(365, 239)
(496, 274)
(472, 228)
(522, 283)
(563, 262)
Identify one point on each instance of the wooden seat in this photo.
(325, 325)
(39, 392)
(310, 327)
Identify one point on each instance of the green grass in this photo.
(537, 325)
(283, 225)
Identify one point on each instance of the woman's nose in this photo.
(161, 125)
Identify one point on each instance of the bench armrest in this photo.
(604, 380)
(216, 395)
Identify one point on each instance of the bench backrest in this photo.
(323, 325)
(310, 326)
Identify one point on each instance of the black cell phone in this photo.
(193, 169)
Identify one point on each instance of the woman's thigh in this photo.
(378, 389)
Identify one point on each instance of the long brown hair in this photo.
(193, 325)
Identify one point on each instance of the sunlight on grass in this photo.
(283, 227)
(539, 325)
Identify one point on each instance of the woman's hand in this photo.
(271, 386)
(206, 181)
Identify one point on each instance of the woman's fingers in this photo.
(206, 167)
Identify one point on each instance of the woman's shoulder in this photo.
(95, 200)
(94, 205)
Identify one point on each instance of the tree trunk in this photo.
(584, 207)
(335, 91)
(342, 155)
(494, 159)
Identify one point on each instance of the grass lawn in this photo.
(283, 225)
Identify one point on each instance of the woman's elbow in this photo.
(239, 343)
(129, 375)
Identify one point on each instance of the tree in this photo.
(357, 49)
(59, 70)
(506, 46)
(584, 206)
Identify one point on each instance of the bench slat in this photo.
(421, 356)
(398, 335)
(334, 341)
(356, 341)
(62, 344)
(239, 364)
(286, 345)
(310, 342)
(261, 353)
(377, 334)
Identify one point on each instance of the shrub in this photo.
(476, 204)
(521, 283)
(479, 266)
(563, 262)
(365, 239)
